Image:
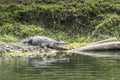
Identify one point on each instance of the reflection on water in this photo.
(47, 61)
(73, 67)
(113, 54)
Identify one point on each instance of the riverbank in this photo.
(78, 22)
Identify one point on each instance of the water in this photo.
(70, 67)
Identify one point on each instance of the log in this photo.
(108, 44)
(107, 40)
(103, 46)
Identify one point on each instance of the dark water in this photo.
(73, 67)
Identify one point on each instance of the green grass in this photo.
(8, 38)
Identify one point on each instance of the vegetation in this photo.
(71, 20)
(8, 38)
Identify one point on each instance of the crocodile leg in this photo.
(44, 45)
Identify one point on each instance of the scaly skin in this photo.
(43, 42)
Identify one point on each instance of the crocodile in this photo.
(44, 42)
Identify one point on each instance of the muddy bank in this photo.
(18, 47)
(104, 45)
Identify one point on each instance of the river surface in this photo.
(70, 67)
